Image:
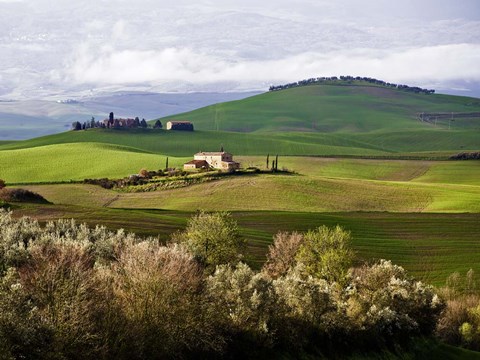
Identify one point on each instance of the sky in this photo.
(72, 49)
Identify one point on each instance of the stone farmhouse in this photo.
(217, 160)
(180, 125)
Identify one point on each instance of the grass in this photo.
(429, 246)
(320, 184)
(329, 108)
(313, 120)
(77, 161)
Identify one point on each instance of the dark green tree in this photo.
(158, 125)
(166, 163)
(143, 124)
(268, 160)
(276, 162)
(76, 126)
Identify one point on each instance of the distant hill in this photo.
(340, 107)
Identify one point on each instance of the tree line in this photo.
(351, 79)
(114, 123)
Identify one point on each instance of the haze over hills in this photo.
(24, 119)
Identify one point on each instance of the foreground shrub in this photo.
(246, 299)
(326, 253)
(23, 334)
(156, 291)
(60, 279)
(281, 254)
(384, 303)
(69, 291)
(213, 239)
(460, 322)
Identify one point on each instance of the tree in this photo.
(268, 160)
(143, 124)
(76, 126)
(158, 125)
(166, 163)
(276, 162)
(111, 117)
(2, 184)
(326, 253)
(92, 123)
(213, 239)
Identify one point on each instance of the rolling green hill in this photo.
(316, 120)
(333, 109)
(311, 120)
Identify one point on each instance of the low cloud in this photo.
(107, 66)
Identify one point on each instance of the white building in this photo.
(218, 160)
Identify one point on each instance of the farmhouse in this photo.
(196, 164)
(218, 160)
(180, 125)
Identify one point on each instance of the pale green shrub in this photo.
(213, 239)
(326, 253)
(157, 291)
(246, 299)
(382, 298)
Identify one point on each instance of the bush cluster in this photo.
(459, 323)
(21, 195)
(70, 291)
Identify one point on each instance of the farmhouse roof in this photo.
(197, 162)
(212, 153)
(179, 122)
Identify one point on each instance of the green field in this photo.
(398, 202)
(313, 120)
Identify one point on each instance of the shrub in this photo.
(385, 302)
(2, 184)
(157, 291)
(246, 298)
(326, 253)
(281, 255)
(21, 195)
(307, 309)
(213, 239)
(23, 333)
(459, 323)
(59, 277)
